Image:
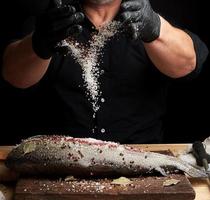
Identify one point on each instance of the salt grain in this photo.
(89, 55)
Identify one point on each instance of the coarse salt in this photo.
(89, 55)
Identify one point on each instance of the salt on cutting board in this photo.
(143, 188)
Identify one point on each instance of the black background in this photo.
(187, 118)
(188, 103)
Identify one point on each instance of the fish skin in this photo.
(61, 155)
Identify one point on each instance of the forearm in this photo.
(173, 52)
(21, 66)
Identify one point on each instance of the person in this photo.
(138, 65)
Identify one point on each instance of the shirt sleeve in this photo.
(201, 51)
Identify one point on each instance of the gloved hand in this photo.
(53, 26)
(141, 20)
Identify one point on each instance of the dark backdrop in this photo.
(187, 118)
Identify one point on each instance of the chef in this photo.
(138, 66)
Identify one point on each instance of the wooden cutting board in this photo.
(143, 188)
(148, 188)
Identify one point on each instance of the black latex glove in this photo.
(53, 26)
(142, 22)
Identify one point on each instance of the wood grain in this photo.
(102, 189)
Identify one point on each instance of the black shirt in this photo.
(133, 93)
(133, 101)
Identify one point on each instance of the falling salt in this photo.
(88, 56)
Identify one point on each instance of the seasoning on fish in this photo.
(62, 155)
